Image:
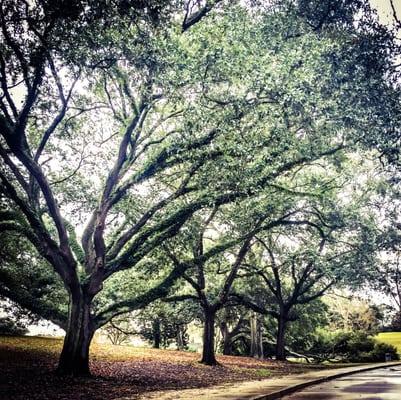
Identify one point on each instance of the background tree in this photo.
(296, 266)
(163, 323)
(232, 322)
(385, 274)
(301, 334)
(213, 255)
(353, 314)
(199, 268)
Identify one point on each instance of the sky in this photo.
(384, 10)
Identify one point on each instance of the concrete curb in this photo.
(294, 388)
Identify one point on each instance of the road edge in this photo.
(294, 388)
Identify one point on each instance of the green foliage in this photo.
(393, 338)
(263, 373)
(310, 318)
(162, 324)
(12, 327)
(349, 346)
(355, 346)
(29, 283)
(381, 351)
(353, 314)
(396, 322)
(119, 329)
(124, 124)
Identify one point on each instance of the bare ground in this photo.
(27, 365)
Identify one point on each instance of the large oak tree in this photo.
(121, 120)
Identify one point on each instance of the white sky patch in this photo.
(384, 10)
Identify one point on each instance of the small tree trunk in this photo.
(156, 334)
(226, 338)
(208, 356)
(280, 345)
(74, 358)
(180, 337)
(256, 350)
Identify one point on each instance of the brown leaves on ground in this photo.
(27, 367)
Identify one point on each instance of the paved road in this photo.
(380, 384)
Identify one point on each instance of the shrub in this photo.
(12, 328)
(359, 346)
(322, 348)
(381, 349)
(350, 347)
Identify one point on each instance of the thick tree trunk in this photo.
(280, 345)
(256, 349)
(74, 358)
(208, 356)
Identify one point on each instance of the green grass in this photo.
(263, 372)
(393, 338)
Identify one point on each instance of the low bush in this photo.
(347, 346)
(380, 351)
(12, 328)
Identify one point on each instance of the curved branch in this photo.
(122, 307)
(191, 18)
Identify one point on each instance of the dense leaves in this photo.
(127, 126)
(354, 346)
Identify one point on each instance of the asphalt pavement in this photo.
(379, 384)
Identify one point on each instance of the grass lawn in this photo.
(393, 338)
(27, 365)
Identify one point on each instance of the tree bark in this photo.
(74, 358)
(208, 356)
(156, 334)
(256, 350)
(280, 344)
(180, 337)
(226, 338)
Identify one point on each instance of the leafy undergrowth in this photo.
(27, 365)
